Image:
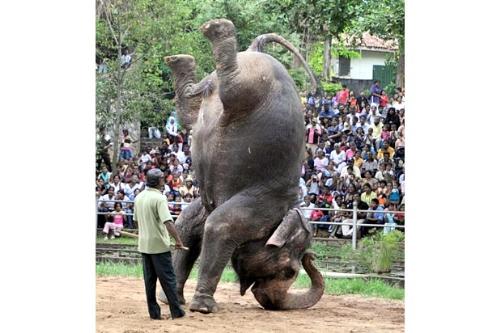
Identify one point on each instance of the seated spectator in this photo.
(375, 214)
(188, 188)
(326, 112)
(390, 224)
(394, 195)
(369, 180)
(313, 184)
(118, 216)
(186, 200)
(338, 157)
(320, 162)
(105, 205)
(117, 184)
(368, 195)
(134, 184)
(105, 175)
(385, 149)
(347, 230)
(358, 160)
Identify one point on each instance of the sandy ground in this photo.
(121, 307)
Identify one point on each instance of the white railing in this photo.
(354, 223)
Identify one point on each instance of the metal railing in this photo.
(354, 210)
(354, 223)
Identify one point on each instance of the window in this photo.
(344, 66)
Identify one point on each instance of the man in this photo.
(376, 214)
(385, 149)
(343, 95)
(375, 91)
(155, 225)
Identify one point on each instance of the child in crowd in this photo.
(118, 216)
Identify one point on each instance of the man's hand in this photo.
(180, 246)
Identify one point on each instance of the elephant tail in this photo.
(261, 41)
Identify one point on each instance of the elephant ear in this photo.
(287, 227)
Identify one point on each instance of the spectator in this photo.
(368, 195)
(118, 215)
(343, 95)
(171, 128)
(188, 188)
(375, 91)
(117, 184)
(105, 203)
(338, 157)
(375, 214)
(370, 164)
(313, 133)
(347, 230)
(385, 149)
(320, 162)
(105, 175)
(390, 224)
(307, 204)
(394, 195)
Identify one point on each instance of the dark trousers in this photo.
(159, 266)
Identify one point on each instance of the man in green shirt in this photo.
(155, 225)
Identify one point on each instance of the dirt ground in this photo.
(121, 307)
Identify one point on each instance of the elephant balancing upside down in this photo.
(247, 149)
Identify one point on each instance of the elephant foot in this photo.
(184, 61)
(218, 29)
(163, 298)
(203, 303)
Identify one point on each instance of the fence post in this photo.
(96, 213)
(354, 224)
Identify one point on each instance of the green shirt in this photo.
(151, 211)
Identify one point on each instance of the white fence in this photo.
(354, 222)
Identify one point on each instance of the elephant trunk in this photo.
(313, 295)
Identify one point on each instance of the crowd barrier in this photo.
(354, 210)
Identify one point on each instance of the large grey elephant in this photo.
(248, 131)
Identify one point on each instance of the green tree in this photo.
(126, 94)
(318, 20)
(385, 19)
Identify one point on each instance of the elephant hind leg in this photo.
(237, 89)
(189, 226)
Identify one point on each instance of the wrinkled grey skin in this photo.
(247, 149)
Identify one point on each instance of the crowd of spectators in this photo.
(354, 153)
(172, 156)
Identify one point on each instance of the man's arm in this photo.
(172, 231)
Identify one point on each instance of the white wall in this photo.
(362, 68)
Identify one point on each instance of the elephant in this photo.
(247, 147)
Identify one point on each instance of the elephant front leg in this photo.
(238, 220)
(189, 225)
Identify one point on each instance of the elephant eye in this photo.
(288, 273)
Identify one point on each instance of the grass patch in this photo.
(369, 287)
(119, 240)
(118, 269)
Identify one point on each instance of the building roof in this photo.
(371, 42)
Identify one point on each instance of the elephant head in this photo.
(273, 265)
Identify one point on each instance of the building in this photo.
(359, 73)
